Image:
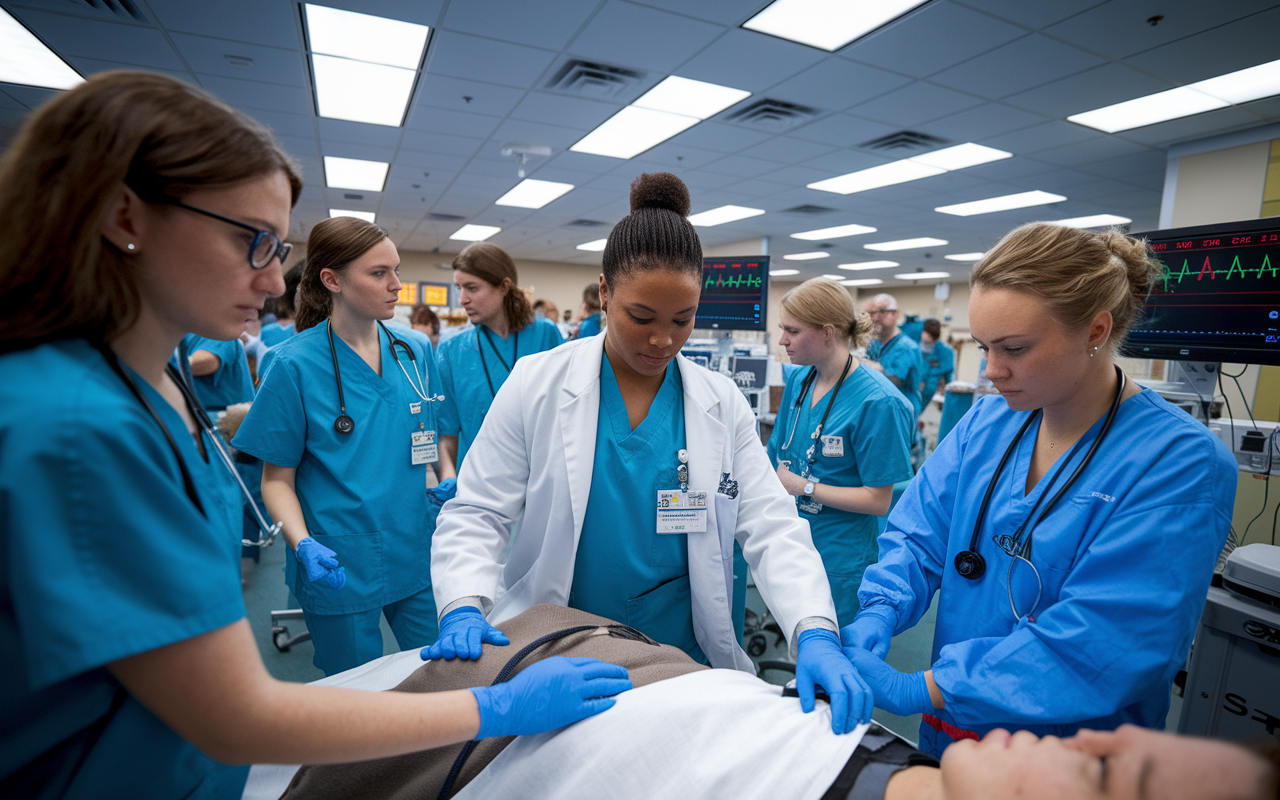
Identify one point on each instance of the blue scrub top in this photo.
(462, 373)
(360, 494)
(939, 364)
(273, 333)
(902, 365)
(231, 383)
(589, 326)
(873, 423)
(625, 569)
(1125, 558)
(105, 557)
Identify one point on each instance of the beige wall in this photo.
(1221, 185)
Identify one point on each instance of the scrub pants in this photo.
(343, 641)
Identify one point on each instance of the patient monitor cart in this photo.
(1233, 686)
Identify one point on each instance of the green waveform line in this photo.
(1208, 271)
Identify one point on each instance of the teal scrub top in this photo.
(273, 333)
(468, 390)
(902, 365)
(625, 569)
(589, 326)
(939, 364)
(873, 424)
(361, 495)
(231, 383)
(104, 557)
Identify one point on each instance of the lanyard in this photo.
(809, 380)
(515, 356)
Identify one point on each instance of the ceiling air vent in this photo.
(585, 223)
(807, 208)
(903, 141)
(773, 115)
(593, 79)
(120, 9)
(445, 217)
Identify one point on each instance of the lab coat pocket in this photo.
(360, 554)
(726, 522)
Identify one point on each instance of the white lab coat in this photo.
(532, 463)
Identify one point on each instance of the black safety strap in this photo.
(878, 746)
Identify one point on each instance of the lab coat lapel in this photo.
(579, 414)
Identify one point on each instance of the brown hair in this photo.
(932, 327)
(283, 306)
(656, 234)
(423, 315)
(822, 301)
(162, 138)
(491, 264)
(333, 244)
(1077, 274)
(591, 297)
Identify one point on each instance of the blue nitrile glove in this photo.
(819, 662)
(321, 564)
(462, 631)
(871, 630)
(549, 694)
(443, 492)
(897, 692)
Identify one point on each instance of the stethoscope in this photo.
(206, 425)
(344, 424)
(515, 356)
(809, 380)
(971, 565)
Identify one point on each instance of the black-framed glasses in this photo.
(265, 245)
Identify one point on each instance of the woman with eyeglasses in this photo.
(136, 209)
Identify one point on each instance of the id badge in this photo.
(833, 446)
(681, 512)
(423, 448)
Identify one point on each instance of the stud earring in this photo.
(130, 246)
(1095, 351)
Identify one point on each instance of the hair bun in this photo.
(660, 190)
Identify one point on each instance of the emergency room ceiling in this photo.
(1000, 73)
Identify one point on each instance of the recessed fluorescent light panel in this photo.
(367, 216)
(827, 24)
(364, 66)
(474, 233)
(1095, 221)
(595, 246)
(965, 256)
(1003, 203)
(906, 244)
(834, 277)
(869, 265)
(1233, 88)
(960, 156)
(355, 173)
(674, 105)
(781, 273)
(862, 282)
(26, 61)
(807, 256)
(723, 214)
(922, 276)
(837, 232)
(530, 193)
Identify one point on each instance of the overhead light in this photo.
(827, 24)
(862, 282)
(595, 246)
(530, 193)
(474, 233)
(723, 214)
(26, 61)
(922, 276)
(364, 66)
(1241, 86)
(367, 216)
(906, 244)
(833, 233)
(807, 256)
(960, 156)
(869, 265)
(1003, 203)
(355, 173)
(965, 256)
(834, 277)
(674, 105)
(1095, 221)
(780, 273)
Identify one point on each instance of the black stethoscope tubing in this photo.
(808, 381)
(344, 424)
(515, 356)
(970, 563)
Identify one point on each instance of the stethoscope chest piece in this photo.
(344, 425)
(970, 564)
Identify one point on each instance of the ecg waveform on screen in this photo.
(732, 282)
(1236, 269)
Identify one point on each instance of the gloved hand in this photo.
(871, 630)
(820, 662)
(462, 631)
(443, 492)
(549, 694)
(896, 692)
(321, 564)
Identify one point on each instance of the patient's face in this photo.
(1131, 762)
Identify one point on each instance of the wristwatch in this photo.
(808, 489)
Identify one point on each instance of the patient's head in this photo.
(1130, 762)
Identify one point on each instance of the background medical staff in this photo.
(635, 472)
(285, 307)
(893, 352)
(590, 324)
(128, 664)
(345, 422)
(475, 363)
(1076, 613)
(939, 360)
(841, 476)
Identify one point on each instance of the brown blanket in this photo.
(421, 775)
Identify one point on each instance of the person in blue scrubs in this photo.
(475, 363)
(129, 669)
(843, 479)
(939, 360)
(345, 421)
(590, 324)
(1052, 616)
(894, 353)
(285, 307)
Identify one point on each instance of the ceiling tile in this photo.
(629, 35)
(925, 42)
(254, 95)
(741, 166)
(836, 84)
(282, 124)
(722, 12)
(1085, 91)
(488, 60)
(1020, 65)
(749, 61)
(1043, 137)
(362, 151)
(1194, 127)
(556, 109)
(273, 24)
(520, 21)
(440, 91)
(677, 157)
(123, 43)
(842, 130)
(440, 143)
(1035, 15)
(786, 151)
(92, 66)
(916, 103)
(554, 136)
(1217, 51)
(719, 137)
(270, 64)
(977, 124)
(1120, 28)
(456, 123)
(341, 130)
(416, 161)
(1088, 152)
